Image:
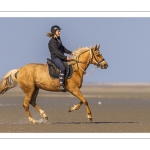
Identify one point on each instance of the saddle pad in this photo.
(54, 71)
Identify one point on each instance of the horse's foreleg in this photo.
(79, 95)
(75, 107)
(33, 103)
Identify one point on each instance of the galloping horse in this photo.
(33, 77)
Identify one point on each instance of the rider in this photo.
(57, 51)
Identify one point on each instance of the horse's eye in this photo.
(97, 53)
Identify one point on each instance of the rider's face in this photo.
(57, 33)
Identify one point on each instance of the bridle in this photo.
(94, 59)
(98, 63)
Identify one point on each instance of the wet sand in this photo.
(116, 108)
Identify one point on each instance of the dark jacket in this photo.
(57, 49)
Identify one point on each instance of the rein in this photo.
(78, 61)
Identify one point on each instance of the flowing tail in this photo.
(8, 81)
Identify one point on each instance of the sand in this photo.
(116, 108)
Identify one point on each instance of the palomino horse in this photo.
(33, 77)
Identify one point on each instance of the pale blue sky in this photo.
(125, 44)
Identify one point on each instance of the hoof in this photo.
(32, 120)
(70, 110)
(90, 119)
(46, 118)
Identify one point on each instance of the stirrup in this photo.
(62, 88)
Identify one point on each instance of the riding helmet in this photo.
(55, 28)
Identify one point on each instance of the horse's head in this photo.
(97, 58)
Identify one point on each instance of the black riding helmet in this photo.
(55, 28)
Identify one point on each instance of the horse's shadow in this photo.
(94, 122)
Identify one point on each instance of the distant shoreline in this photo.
(115, 84)
(104, 84)
(118, 83)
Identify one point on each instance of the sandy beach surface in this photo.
(116, 108)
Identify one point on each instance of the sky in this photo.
(124, 41)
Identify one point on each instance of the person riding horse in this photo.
(34, 76)
(57, 51)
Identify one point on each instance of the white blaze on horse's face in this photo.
(97, 58)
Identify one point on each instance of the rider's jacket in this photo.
(57, 49)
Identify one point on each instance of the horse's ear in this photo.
(98, 46)
(95, 47)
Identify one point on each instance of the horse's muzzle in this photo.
(104, 66)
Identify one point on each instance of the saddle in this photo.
(54, 71)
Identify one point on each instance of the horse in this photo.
(34, 76)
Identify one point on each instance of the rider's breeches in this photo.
(58, 62)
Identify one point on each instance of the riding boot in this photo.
(61, 81)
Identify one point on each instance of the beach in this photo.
(116, 108)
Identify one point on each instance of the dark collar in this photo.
(58, 39)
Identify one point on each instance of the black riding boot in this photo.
(61, 81)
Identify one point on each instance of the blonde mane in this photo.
(80, 51)
(77, 53)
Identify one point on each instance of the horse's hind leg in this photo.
(33, 103)
(26, 103)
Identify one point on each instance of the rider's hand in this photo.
(68, 58)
